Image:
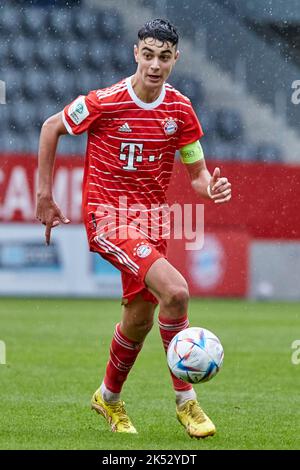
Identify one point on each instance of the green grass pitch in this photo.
(56, 354)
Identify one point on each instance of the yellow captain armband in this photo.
(191, 153)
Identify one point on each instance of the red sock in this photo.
(168, 329)
(123, 353)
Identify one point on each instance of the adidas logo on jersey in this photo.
(124, 128)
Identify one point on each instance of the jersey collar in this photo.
(141, 103)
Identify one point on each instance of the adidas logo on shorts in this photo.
(125, 128)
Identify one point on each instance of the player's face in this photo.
(155, 61)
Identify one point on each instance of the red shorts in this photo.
(133, 257)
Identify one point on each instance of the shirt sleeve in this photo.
(80, 114)
(191, 130)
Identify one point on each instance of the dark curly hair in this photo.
(159, 29)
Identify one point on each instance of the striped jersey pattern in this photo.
(130, 154)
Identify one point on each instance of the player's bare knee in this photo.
(142, 325)
(176, 299)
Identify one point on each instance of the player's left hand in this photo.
(219, 188)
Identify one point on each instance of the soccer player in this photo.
(134, 129)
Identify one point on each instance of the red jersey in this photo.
(130, 153)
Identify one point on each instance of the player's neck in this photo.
(144, 94)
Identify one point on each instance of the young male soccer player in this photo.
(134, 129)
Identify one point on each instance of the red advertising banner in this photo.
(219, 268)
(265, 200)
(18, 183)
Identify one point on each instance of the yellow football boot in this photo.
(114, 413)
(195, 421)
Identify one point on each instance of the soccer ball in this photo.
(195, 355)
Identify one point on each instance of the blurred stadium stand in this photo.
(238, 62)
(50, 53)
(234, 40)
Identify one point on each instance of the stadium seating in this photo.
(267, 152)
(49, 56)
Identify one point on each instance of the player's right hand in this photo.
(48, 212)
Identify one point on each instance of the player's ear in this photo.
(177, 55)
(135, 52)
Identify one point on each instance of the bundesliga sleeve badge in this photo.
(78, 110)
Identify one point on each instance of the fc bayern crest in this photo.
(170, 126)
(142, 250)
